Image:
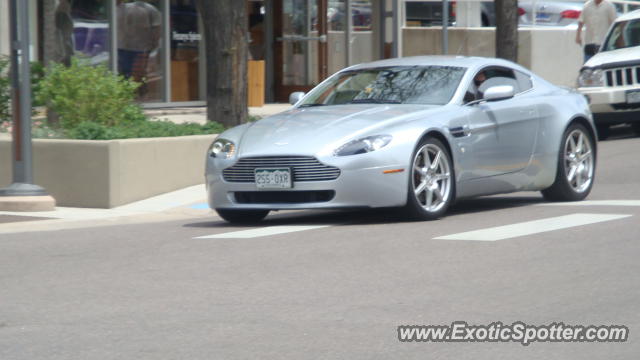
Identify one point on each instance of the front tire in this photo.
(242, 216)
(431, 182)
(576, 166)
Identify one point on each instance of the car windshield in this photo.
(428, 85)
(623, 34)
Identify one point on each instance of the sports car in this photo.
(417, 133)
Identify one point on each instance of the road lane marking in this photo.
(265, 231)
(596, 203)
(533, 227)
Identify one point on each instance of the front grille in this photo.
(304, 168)
(283, 197)
(625, 106)
(623, 76)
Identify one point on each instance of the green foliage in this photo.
(5, 90)
(37, 74)
(143, 129)
(81, 93)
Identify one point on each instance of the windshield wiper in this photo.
(374, 101)
(310, 105)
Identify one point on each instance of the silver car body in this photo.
(497, 147)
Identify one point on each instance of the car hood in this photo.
(309, 130)
(605, 58)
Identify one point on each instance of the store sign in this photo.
(191, 36)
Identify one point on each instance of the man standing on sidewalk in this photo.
(597, 16)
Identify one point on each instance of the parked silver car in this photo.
(549, 12)
(416, 133)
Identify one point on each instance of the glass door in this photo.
(300, 54)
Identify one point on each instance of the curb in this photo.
(27, 203)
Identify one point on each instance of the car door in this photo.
(502, 132)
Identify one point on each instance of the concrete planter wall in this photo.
(106, 174)
(549, 52)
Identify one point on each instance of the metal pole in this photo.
(445, 27)
(21, 103)
(347, 33)
(396, 29)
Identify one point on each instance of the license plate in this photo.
(273, 178)
(543, 16)
(633, 97)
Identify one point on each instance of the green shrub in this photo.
(5, 90)
(143, 129)
(82, 93)
(37, 74)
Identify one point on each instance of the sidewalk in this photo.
(187, 202)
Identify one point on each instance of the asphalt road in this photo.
(158, 291)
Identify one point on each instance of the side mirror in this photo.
(295, 97)
(501, 92)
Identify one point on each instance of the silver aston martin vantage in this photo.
(416, 133)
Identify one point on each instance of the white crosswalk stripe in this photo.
(533, 227)
(596, 203)
(264, 231)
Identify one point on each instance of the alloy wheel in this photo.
(431, 178)
(578, 157)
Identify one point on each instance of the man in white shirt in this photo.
(597, 16)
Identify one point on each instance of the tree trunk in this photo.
(507, 29)
(225, 36)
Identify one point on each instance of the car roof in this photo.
(635, 14)
(438, 60)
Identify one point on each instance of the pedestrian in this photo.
(597, 16)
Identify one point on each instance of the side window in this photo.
(490, 77)
(524, 81)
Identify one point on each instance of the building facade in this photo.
(159, 42)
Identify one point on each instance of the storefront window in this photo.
(140, 46)
(90, 28)
(185, 46)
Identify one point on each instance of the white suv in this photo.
(611, 78)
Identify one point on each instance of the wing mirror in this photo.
(295, 97)
(501, 92)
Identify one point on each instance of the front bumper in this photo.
(362, 183)
(609, 104)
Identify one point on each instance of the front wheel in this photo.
(431, 182)
(242, 216)
(576, 166)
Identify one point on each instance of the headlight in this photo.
(222, 148)
(589, 77)
(364, 145)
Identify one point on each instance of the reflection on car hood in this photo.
(631, 54)
(308, 130)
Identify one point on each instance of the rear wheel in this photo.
(576, 166)
(242, 216)
(431, 184)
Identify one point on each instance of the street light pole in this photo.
(445, 27)
(21, 103)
